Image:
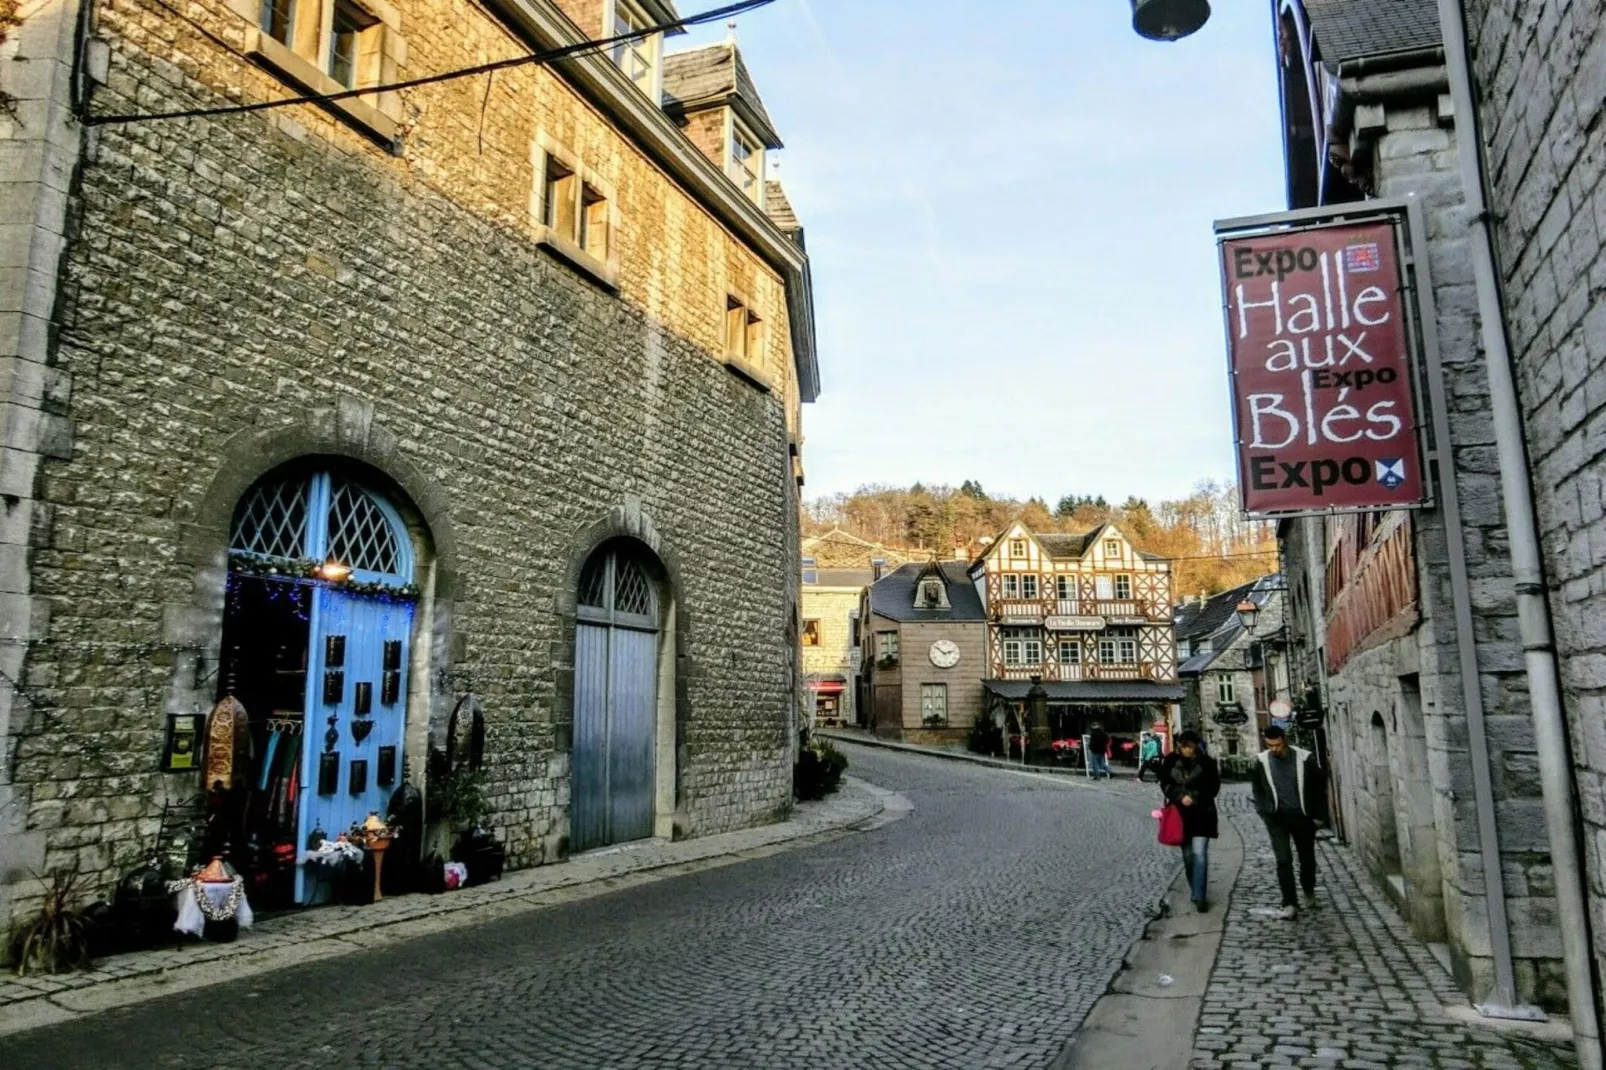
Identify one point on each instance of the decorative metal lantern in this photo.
(1169, 20)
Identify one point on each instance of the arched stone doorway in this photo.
(1380, 779)
(319, 623)
(620, 698)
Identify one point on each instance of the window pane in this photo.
(278, 16)
(1028, 586)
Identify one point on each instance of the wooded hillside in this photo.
(1213, 547)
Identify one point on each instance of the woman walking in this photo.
(1191, 781)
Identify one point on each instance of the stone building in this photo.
(1231, 674)
(1372, 596)
(1539, 68)
(837, 567)
(923, 648)
(455, 397)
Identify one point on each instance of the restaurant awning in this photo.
(1089, 690)
(830, 686)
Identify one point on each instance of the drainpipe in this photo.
(1533, 611)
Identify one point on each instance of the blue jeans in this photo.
(1098, 765)
(1196, 864)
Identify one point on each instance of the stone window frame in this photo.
(595, 201)
(1226, 690)
(743, 340)
(306, 60)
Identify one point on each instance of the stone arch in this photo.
(1380, 782)
(628, 521)
(346, 432)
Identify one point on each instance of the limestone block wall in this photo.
(1540, 67)
(833, 607)
(279, 279)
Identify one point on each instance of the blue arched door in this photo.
(349, 545)
(612, 793)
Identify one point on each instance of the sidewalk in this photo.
(293, 939)
(1347, 985)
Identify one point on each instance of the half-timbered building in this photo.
(1086, 616)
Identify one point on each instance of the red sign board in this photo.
(1323, 398)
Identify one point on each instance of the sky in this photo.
(1008, 211)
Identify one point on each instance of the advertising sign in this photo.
(1321, 368)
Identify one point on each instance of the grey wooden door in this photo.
(615, 701)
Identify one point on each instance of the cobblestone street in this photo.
(1344, 986)
(975, 933)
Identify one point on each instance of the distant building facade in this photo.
(836, 569)
(1231, 674)
(1087, 615)
(924, 652)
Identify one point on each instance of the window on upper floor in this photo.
(1010, 585)
(811, 573)
(1226, 691)
(811, 633)
(575, 210)
(640, 57)
(1022, 647)
(1123, 587)
(353, 46)
(1028, 587)
(279, 20)
(1127, 651)
(1104, 587)
(886, 646)
(1065, 587)
(745, 162)
(1112, 547)
(930, 593)
(1017, 547)
(1107, 651)
(744, 341)
(1070, 652)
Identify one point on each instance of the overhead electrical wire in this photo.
(530, 59)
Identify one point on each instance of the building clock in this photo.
(945, 653)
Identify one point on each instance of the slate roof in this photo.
(1350, 29)
(1090, 690)
(843, 577)
(716, 74)
(1194, 621)
(893, 596)
(780, 211)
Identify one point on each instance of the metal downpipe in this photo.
(1533, 612)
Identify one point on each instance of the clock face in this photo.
(945, 653)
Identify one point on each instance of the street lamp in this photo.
(1169, 20)
(1248, 613)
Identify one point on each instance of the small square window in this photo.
(1112, 547)
(1070, 652)
(1017, 548)
(345, 42)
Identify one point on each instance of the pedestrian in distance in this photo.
(1291, 797)
(1149, 757)
(1191, 781)
(1098, 753)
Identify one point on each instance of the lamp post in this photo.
(1169, 20)
(1036, 719)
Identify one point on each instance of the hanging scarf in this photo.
(228, 742)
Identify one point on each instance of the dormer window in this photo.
(638, 57)
(931, 593)
(1017, 547)
(745, 162)
(1112, 548)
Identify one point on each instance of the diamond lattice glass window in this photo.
(272, 520)
(360, 534)
(632, 592)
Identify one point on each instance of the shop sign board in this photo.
(1232, 717)
(1322, 365)
(1074, 624)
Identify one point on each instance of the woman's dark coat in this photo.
(1199, 778)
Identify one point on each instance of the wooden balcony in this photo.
(1147, 670)
(1031, 610)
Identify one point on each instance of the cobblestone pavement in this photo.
(1346, 985)
(975, 933)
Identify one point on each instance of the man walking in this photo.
(1098, 753)
(1291, 798)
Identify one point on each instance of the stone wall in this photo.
(1540, 68)
(277, 278)
(1397, 718)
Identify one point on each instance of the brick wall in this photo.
(1540, 67)
(273, 276)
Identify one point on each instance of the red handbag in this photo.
(1171, 825)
